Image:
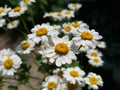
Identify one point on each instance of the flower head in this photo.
(41, 33)
(9, 62)
(74, 6)
(93, 81)
(25, 47)
(4, 10)
(17, 11)
(74, 75)
(87, 37)
(13, 24)
(60, 51)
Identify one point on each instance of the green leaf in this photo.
(12, 87)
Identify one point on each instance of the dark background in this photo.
(104, 17)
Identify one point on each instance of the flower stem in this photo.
(24, 24)
(31, 13)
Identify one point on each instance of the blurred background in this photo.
(101, 15)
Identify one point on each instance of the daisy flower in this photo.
(74, 75)
(2, 22)
(48, 14)
(101, 44)
(68, 14)
(27, 2)
(50, 83)
(58, 16)
(68, 28)
(25, 47)
(17, 11)
(86, 37)
(79, 24)
(61, 52)
(93, 53)
(9, 64)
(93, 81)
(74, 6)
(4, 10)
(96, 62)
(40, 33)
(13, 24)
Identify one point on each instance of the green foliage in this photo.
(11, 87)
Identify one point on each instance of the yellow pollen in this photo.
(74, 4)
(17, 8)
(61, 48)
(2, 10)
(94, 54)
(8, 63)
(93, 80)
(12, 22)
(51, 85)
(75, 24)
(41, 31)
(59, 13)
(86, 35)
(74, 73)
(72, 86)
(67, 28)
(26, 1)
(60, 74)
(67, 12)
(96, 60)
(25, 45)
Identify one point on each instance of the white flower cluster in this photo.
(71, 79)
(15, 12)
(59, 45)
(64, 14)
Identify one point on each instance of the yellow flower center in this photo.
(74, 73)
(67, 28)
(41, 31)
(61, 48)
(72, 86)
(67, 12)
(2, 10)
(51, 85)
(96, 60)
(74, 4)
(25, 45)
(26, 1)
(94, 54)
(59, 13)
(60, 74)
(17, 8)
(86, 35)
(93, 80)
(8, 63)
(12, 22)
(75, 24)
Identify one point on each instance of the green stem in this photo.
(7, 19)
(4, 29)
(31, 13)
(24, 24)
(24, 34)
